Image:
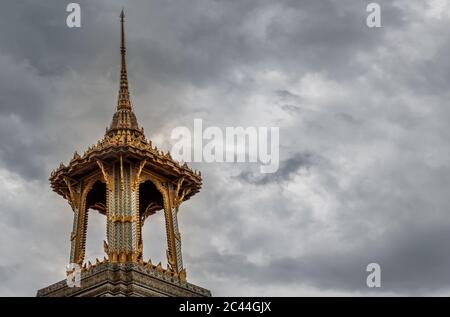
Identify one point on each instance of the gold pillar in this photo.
(122, 215)
(174, 257)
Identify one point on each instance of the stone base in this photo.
(124, 279)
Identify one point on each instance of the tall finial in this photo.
(124, 95)
(124, 117)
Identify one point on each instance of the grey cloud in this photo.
(363, 114)
(285, 172)
(412, 262)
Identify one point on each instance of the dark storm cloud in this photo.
(363, 114)
(413, 262)
(23, 106)
(37, 33)
(221, 37)
(284, 173)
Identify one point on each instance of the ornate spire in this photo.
(124, 118)
(124, 95)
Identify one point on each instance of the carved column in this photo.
(174, 257)
(80, 239)
(74, 197)
(73, 236)
(123, 227)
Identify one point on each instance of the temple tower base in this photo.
(124, 280)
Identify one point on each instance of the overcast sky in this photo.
(364, 144)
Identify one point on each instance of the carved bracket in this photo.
(138, 174)
(74, 196)
(106, 176)
(179, 197)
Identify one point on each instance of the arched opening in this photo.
(153, 228)
(150, 199)
(96, 229)
(96, 198)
